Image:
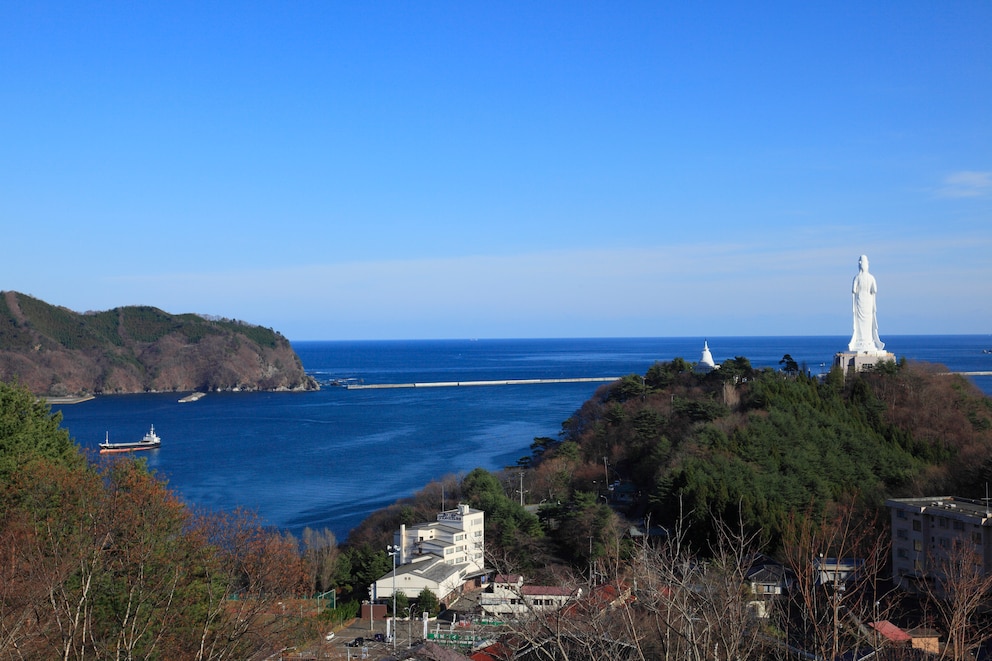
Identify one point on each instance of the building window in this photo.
(917, 525)
(959, 525)
(902, 553)
(900, 514)
(942, 522)
(902, 533)
(976, 537)
(917, 545)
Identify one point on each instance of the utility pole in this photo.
(394, 551)
(590, 563)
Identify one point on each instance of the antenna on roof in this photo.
(986, 501)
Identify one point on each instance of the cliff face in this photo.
(54, 351)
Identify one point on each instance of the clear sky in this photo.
(375, 170)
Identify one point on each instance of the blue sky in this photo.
(387, 170)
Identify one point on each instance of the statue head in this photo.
(863, 263)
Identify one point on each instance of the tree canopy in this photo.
(29, 431)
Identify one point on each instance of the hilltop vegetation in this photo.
(760, 445)
(55, 351)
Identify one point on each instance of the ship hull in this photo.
(150, 441)
(124, 447)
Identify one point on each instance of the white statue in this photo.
(865, 338)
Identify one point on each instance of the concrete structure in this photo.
(860, 362)
(705, 364)
(927, 531)
(508, 596)
(440, 555)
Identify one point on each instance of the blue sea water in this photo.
(330, 458)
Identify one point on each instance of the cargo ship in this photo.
(150, 441)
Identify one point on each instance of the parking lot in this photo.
(356, 641)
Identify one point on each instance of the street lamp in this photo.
(394, 551)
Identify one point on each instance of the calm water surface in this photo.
(330, 458)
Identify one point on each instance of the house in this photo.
(925, 639)
(442, 556)
(836, 571)
(507, 595)
(928, 531)
(767, 580)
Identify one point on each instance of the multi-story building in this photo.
(927, 532)
(441, 555)
(508, 595)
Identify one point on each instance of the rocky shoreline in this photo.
(55, 352)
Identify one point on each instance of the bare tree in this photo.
(62, 534)
(664, 602)
(247, 571)
(699, 605)
(591, 624)
(320, 556)
(836, 561)
(955, 589)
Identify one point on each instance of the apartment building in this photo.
(927, 532)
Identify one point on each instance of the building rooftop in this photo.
(951, 504)
(891, 631)
(430, 567)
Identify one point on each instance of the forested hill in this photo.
(770, 444)
(54, 351)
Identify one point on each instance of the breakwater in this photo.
(517, 382)
(498, 382)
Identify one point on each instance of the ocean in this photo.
(330, 458)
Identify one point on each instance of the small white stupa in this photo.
(705, 364)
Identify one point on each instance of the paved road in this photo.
(337, 648)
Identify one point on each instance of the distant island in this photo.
(55, 352)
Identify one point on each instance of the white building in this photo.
(441, 555)
(508, 596)
(927, 531)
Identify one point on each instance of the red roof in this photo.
(545, 590)
(507, 578)
(495, 652)
(891, 632)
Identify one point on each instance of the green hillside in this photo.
(53, 350)
(763, 445)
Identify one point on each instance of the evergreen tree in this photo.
(30, 431)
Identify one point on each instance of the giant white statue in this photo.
(865, 338)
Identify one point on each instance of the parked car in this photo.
(329, 636)
(358, 642)
(380, 638)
